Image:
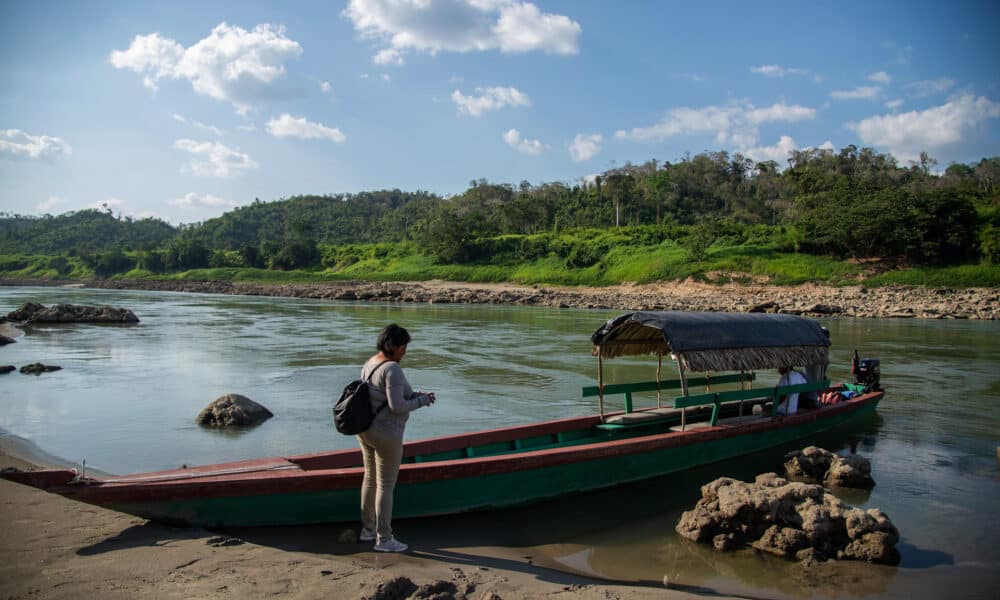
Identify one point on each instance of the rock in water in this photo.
(233, 410)
(71, 313)
(788, 519)
(816, 465)
(38, 369)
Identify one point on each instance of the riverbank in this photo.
(56, 548)
(895, 301)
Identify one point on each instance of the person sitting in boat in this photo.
(382, 443)
(789, 405)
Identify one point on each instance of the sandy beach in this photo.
(57, 548)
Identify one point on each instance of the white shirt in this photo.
(790, 405)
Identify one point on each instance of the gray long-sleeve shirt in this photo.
(390, 385)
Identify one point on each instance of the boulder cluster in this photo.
(788, 519)
(816, 465)
(32, 312)
(233, 410)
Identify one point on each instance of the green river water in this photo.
(126, 399)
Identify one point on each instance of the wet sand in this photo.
(53, 547)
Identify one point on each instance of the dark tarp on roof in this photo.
(708, 341)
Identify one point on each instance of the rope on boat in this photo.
(199, 474)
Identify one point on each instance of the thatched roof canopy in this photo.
(707, 341)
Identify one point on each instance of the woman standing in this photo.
(382, 443)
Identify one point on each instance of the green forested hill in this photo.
(79, 232)
(851, 204)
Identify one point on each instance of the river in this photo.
(127, 397)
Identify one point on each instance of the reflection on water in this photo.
(127, 397)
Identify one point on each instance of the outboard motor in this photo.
(868, 373)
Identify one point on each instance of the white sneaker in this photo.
(390, 545)
(366, 535)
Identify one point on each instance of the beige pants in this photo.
(382, 452)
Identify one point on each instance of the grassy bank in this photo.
(641, 264)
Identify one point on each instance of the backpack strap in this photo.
(368, 381)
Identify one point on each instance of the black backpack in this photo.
(353, 412)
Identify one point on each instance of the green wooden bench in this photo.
(772, 394)
(632, 418)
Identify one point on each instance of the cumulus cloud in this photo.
(327, 89)
(489, 99)
(388, 56)
(931, 87)
(212, 159)
(907, 134)
(298, 127)
(859, 93)
(780, 152)
(736, 124)
(777, 71)
(880, 77)
(894, 104)
(231, 64)
(526, 146)
(461, 26)
(196, 200)
(585, 147)
(21, 145)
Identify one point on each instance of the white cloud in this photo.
(46, 206)
(21, 145)
(695, 77)
(880, 77)
(386, 77)
(231, 64)
(198, 124)
(736, 124)
(489, 99)
(196, 200)
(930, 87)
(777, 71)
(461, 26)
(894, 104)
(288, 126)
(778, 153)
(388, 56)
(585, 147)
(213, 159)
(105, 205)
(514, 140)
(907, 134)
(327, 88)
(858, 93)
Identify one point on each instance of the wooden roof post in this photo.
(600, 383)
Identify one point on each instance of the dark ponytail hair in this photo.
(391, 337)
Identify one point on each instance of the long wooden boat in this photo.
(516, 465)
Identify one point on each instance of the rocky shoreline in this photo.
(810, 300)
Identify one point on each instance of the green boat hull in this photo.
(485, 491)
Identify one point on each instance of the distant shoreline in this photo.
(895, 301)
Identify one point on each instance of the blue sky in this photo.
(183, 110)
